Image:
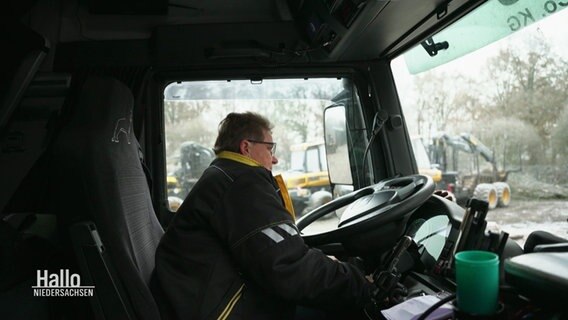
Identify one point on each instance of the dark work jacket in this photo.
(233, 252)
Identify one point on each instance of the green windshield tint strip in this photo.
(490, 22)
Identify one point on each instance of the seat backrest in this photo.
(97, 177)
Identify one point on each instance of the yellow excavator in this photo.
(307, 177)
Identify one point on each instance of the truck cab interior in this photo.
(98, 98)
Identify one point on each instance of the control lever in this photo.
(386, 280)
(473, 225)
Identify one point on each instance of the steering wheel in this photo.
(390, 200)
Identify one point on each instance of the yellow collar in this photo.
(253, 163)
(238, 158)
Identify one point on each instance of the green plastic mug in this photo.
(477, 277)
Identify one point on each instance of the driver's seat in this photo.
(99, 190)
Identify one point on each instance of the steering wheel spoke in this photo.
(369, 208)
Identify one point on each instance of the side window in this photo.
(420, 154)
(492, 109)
(193, 110)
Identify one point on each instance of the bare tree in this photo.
(530, 85)
(443, 106)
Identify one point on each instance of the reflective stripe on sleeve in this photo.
(273, 235)
(291, 230)
(276, 236)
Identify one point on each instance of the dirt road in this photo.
(522, 217)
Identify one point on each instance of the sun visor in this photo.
(501, 18)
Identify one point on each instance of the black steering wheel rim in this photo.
(381, 203)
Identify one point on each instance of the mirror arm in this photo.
(433, 47)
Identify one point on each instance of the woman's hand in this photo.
(445, 194)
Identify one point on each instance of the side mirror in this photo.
(337, 153)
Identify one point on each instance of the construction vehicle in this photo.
(307, 180)
(192, 159)
(469, 170)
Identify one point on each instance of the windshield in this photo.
(495, 119)
(420, 154)
(193, 110)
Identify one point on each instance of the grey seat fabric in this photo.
(97, 176)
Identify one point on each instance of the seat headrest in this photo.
(105, 109)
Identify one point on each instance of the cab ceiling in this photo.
(381, 29)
